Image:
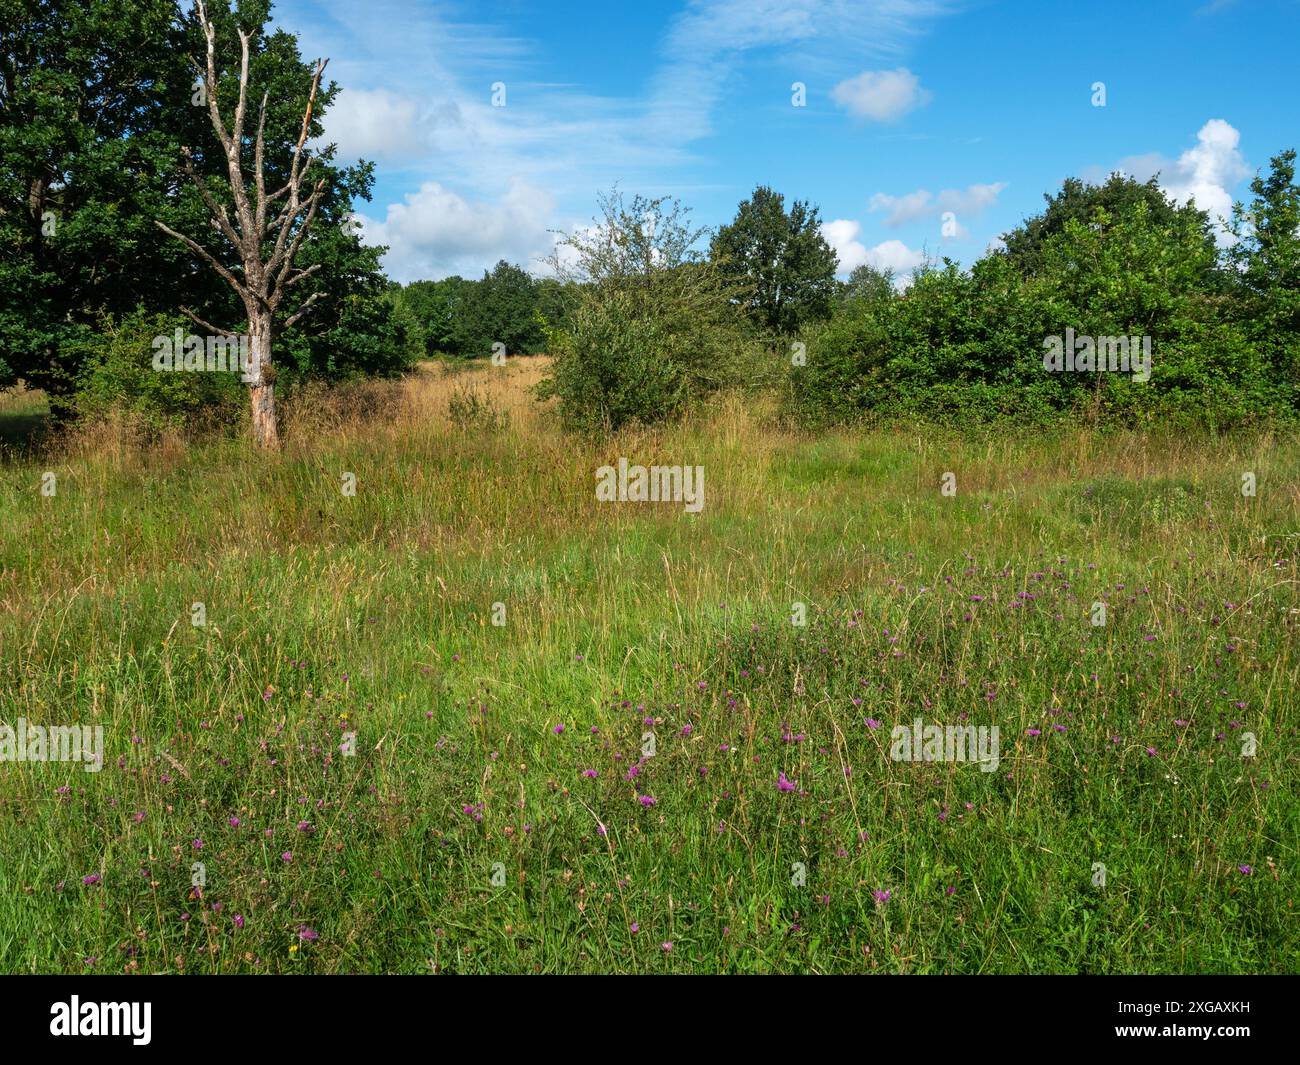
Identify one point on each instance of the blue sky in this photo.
(928, 126)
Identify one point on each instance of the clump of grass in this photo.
(472, 410)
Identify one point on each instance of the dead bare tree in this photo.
(261, 283)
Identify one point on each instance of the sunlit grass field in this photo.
(497, 812)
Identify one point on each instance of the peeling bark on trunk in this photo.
(261, 386)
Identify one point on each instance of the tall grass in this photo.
(463, 835)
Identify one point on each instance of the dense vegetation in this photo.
(470, 832)
(404, 694)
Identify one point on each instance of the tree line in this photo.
(161, 167)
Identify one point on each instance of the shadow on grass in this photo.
(24, 418)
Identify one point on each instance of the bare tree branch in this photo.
(298, 275)
(217, 210)
(206, 325)
(303, 310)
(211, 260)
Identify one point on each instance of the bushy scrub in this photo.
(118, 377)
(1147, 287)
(649, 327)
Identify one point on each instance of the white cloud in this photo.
(1203, 174)
(923, 204)
(436, 232)
(881, 95)
(842, 235)
(895, 255)
(373, 124)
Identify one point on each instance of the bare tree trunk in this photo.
(261, 388)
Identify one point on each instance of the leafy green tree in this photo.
(502, 310)
(780, 266)
(97, 104)
(1079, 201)
(1267, 257)
(432, 306)
(869, 284)
(92, 104)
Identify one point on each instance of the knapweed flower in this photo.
(634, 928)
(308, 935)
(1033, 732)
(880, 896)
(667, 946)
(233, 822)
(590, 774)
(287, 856)
(239, 920)
(305, 826)
(782, 783)
(647, 800)
(873, 724)
(197, 844)
(559, 729)
(1244, 870)
(89, 880)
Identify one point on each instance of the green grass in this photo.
(327, 613)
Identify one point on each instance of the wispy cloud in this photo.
(417, 83)
(964, 203)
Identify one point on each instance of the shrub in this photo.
(649, 328)
(117, 377)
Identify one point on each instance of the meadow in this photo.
(377, 776)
